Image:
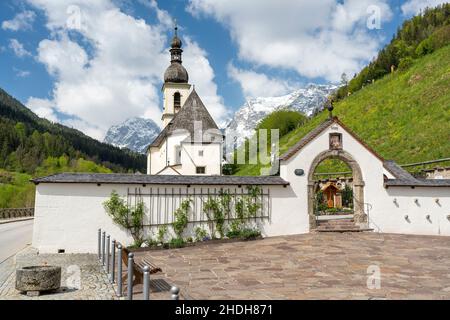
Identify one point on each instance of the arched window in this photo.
(177, 102)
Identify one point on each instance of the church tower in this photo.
(176, 88)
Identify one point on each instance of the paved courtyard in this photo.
(313, 266)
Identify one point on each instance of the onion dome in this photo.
(176, 73)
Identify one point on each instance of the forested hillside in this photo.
(31, 146)
(26, 140)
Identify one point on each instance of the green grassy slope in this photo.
(404, 116)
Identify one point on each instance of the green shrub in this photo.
(200, 234)
(249, 234)
(405, 63)
(283, 120)
(162, 232)
(177, 243)
(181, 217)
(151, 242)
(425, 47)
(244, 234)
(128, 218)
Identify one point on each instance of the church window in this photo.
(177, 101)
(178, 155)
(201, 170)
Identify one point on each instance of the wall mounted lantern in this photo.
(416, 201)
(428, 217)
(407, 218)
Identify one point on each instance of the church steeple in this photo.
(176, 73)
(176, 87)
(176, 51)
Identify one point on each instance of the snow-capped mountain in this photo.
(307, 100)
(135, 134)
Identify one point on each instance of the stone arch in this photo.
(358, 185)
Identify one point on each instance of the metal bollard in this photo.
(146, 283)
(175, 293)
(108, 243)
(130, 276)
(99, 244)
(119, 271)
(103, 247)
(113, 262)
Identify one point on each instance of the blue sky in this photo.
(91, 64)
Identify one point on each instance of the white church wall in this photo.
(211, 158)
(157, 159)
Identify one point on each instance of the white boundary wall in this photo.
(68, 216)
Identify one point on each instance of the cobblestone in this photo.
(82, 277)
(312, 266)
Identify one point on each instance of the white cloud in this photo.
(22, 21)
(255, 84)
(22, 73)
(321, 38)
(119, 74)
(17, 47)
(413, 7)
(43, 108)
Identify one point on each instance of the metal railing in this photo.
(110, 256)
(162, 203)
(16, 213)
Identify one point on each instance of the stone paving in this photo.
(82, 277)
(312, 266)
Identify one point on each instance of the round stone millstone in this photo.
(38, 279)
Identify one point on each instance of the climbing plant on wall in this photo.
(130, 218)
(181, 218)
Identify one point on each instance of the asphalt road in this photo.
(14, 237)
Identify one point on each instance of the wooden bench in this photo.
(138, 267)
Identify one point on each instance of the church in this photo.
(190, 142)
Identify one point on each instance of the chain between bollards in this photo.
(119, 271)
(146, 283)
(130, 276)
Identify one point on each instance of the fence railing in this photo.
(161, 203)
(16, 213)
(110, 255)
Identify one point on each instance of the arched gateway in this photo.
(333, 140)
(360, 216)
